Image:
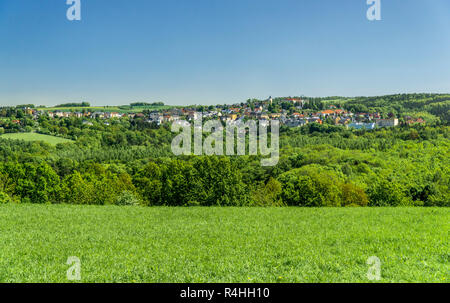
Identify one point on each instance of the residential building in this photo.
(386, 122)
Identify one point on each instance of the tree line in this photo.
(129, 162)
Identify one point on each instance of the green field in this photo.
(137, 244)
(118, 109)
(52, 140)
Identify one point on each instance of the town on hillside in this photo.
(291, 112)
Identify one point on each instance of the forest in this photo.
(129, 162)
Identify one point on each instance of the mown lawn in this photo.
(137, 244)
(52, 140)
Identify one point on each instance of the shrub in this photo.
(353, 195)
(4, 198)
(387, 193)
(439, 196)
(310, 186)
(268, 194)
(127, 198)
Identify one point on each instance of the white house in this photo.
(386, 122)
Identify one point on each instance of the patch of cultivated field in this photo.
(125, 109)
(137, 244)
(52, 140)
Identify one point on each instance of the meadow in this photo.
(161, 244)
(52, 140)
(125, 109)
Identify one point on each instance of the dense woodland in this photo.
(129, 162)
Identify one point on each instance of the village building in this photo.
(386, 122)
(361, 125)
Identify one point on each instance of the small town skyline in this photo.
(289, 111)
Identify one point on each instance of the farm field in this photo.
(52, 140)
(139, 244)
(119, 109)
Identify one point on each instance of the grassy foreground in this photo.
(52, 140)
(134, 244)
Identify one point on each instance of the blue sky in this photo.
(219, 51)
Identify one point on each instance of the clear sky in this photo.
(219, 51)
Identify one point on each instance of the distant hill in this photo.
(82, 104)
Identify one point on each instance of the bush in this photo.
(439, 196)
(310, 186)
(387, 193)
(4, 198)
(353, 195)
(127, 198)
(267, 194)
